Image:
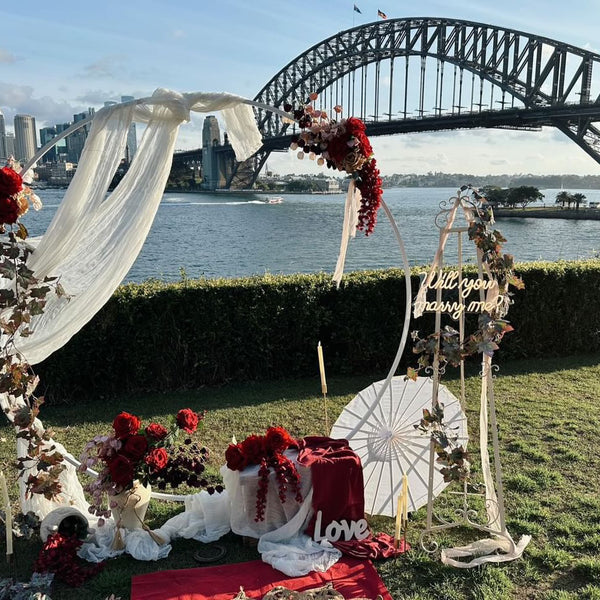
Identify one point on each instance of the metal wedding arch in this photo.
(176, 107)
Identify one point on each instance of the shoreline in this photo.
(590, 214)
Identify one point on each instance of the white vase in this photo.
(131, 506)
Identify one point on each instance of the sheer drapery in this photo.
(94, 239)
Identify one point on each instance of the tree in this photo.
(494, 194)
(563, 197)
(577, 198)
(523, 195)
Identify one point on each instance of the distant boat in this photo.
(274, 200)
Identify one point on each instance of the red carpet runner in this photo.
(351, 577)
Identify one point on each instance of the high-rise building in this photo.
(9, 144)
(76, 141)
(131, 135)
(211, 137)
(46, 135)
(25, 137)
(3, 154)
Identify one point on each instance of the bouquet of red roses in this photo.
(267, 451)
(147, 455)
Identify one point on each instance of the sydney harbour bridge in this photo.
(428, 74)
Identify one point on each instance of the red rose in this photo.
(156, 431)
(278, 439)
(157, 459)
(121, 470)
(9, 210)
(135, 447)
(235, 458)
(253, 448)
(11, 182)
(187, 420)
(126, 425)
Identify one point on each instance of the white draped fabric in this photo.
(95, 238)
(281, 541)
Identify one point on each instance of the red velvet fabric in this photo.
(374, 547)
(338, 492)
(337, 479)
(351, 577)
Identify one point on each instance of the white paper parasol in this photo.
(384, 436)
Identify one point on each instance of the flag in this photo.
(381, 14)
(356, 9)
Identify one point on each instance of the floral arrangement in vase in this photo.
(133, 455)
(341, 145)
(267, 451)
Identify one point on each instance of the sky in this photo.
(59, 58)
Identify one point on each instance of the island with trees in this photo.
(515, 202)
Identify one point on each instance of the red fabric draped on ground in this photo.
(351, 577)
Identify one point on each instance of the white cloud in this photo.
(108, 66)
(21, 99)
(98, 97)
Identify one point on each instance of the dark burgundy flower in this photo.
(126, 425)
(253, 448)
(156, 431)
(236, 461)
(121, 470)
(135, 447)
(187, 420)
(9, 210)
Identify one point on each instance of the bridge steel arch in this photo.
(541, 82)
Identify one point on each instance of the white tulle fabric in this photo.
(94, 238)
(281, 542)
(206, 519)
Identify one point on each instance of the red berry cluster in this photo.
(287, 479)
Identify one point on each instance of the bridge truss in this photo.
(428, 74)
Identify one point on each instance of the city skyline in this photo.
(75, 59)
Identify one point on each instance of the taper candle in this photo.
(7, 513)
(322, 368)
(399, 514)
(405, 507)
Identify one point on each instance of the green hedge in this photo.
(158, 336)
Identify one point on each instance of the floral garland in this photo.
(452, 456)
(342, 145)
(485, 339)
(59, 556)
(267, 452)
(23, 297)
(491, 325)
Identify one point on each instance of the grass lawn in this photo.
(549, 432)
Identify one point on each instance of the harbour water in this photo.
(224, 235)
